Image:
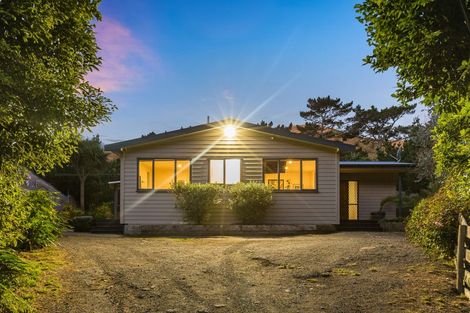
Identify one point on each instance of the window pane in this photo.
(232, 171)
(270, 173)
(290, 174)
(352, 199)
(145, 175)
(183, 171)
(164, 174)
(352, 192)
(309, 176)
(216, 170)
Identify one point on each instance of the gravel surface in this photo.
(340, 272)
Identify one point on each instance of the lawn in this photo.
(341, 272)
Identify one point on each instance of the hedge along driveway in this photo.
(341, 272)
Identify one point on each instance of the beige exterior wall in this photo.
(252, 147)
(373, 188)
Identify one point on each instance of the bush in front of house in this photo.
(69, 212)
(433, 223)
(102, 211)
(43, 224)
(198, 201)
(250, 201)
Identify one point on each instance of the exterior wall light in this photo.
(230, 131)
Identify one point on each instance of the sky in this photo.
(170, 63)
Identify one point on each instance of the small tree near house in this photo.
(89, 159)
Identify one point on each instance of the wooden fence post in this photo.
(462, 234)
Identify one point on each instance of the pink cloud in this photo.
(125, 59)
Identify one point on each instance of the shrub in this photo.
(69, 212)
(433, 222)
(250, 201)
(198, 201)
(103, 211)
(13, 207)
(43, 225)
(82, 223)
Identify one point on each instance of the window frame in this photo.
(224, 169)
(278, 160)
(153, 173)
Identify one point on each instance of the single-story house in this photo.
(311, 185)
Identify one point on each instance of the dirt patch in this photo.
(342, 272)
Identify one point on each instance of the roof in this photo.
(374, 164)
(278, 132)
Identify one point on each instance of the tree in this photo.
(379, 126)
(46, 50)
(89, 159)
(418, 149)
(427, 43)
(325, 116)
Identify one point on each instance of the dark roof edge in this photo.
(284, 133)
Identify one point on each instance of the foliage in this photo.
(88, 160)
(97, 189)
(68, 212)
(44, 224)
(452, 134)
(250, 201)
(103, 211)
(325, 116)
(434, 221)
(46, 50)
(418, 149)
(15, 272)
(408, 201)
(82, 223)
(198, 201)
(379, 126)
(13, 215)
(426, 42)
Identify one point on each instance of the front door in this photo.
(349, 200)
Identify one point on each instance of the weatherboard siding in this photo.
(373, 188)
(251, 147)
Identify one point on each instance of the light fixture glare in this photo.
(230, 131)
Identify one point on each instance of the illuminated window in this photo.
(352, 199)
(164, 174)
(161, 174)
(309, 174)
(224, 171)
(145, 174)
(183, 173)
(290, 174)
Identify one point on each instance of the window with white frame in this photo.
(224, 171)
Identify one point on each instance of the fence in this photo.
(463, 257)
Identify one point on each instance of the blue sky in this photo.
(168, 64)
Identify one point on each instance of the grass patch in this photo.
(341, 271)
(26, 275)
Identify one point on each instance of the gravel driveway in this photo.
(341, 272)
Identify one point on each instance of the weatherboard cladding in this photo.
(252, 147)
(373, 188)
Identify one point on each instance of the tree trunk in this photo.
(82, 193)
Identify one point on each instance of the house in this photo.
(311, 185)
